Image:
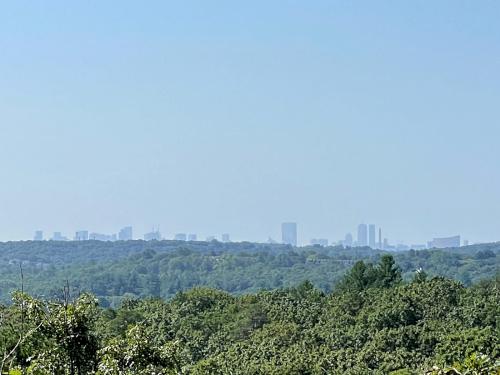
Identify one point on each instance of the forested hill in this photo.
(372, 324)
(112, 270)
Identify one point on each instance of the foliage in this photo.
(382, 325)
(114, 271)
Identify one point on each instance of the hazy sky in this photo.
(231, 116)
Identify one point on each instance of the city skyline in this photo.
(290, 234)
(238, 117)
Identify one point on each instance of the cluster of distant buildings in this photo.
(155, 235)
(367, 237)
(125, 234)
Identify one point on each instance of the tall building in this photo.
(192, 237)
(289, 233)
(348, 240)
(362, 235)
(82, 235)
(38, 236)
(125, 234)
(226, 238)
(442, 243)
(180, 237)
(372, 241)
(380, 238)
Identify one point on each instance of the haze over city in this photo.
(263, 187)
(234, 120)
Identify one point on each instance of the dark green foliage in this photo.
(434, 326)
(362, 276)
(116, 270)
(371, 322)
(52, 337)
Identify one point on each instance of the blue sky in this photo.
(224, 116)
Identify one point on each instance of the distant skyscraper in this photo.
(82, 235)
(192, 237)
(348, 240)
(362, 235)
(289, 233)
(226, 238)
(371, 236)
(180, 237)
(38, 236)
(125, 234)
(380, 238)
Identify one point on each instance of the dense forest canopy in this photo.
(373, 322)
(114, 270)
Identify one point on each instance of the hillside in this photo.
(373, 323)
(112, 270)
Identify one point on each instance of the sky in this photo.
(210, 117)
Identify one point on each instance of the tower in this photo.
(362, 235)
(380, 238)
(371, 236)
(348, 240)
(289, 233)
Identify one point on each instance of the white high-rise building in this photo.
(362, 235)
(125, 234)
(38, 236)
(289, 233)
(371, 236)
(348, 240)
